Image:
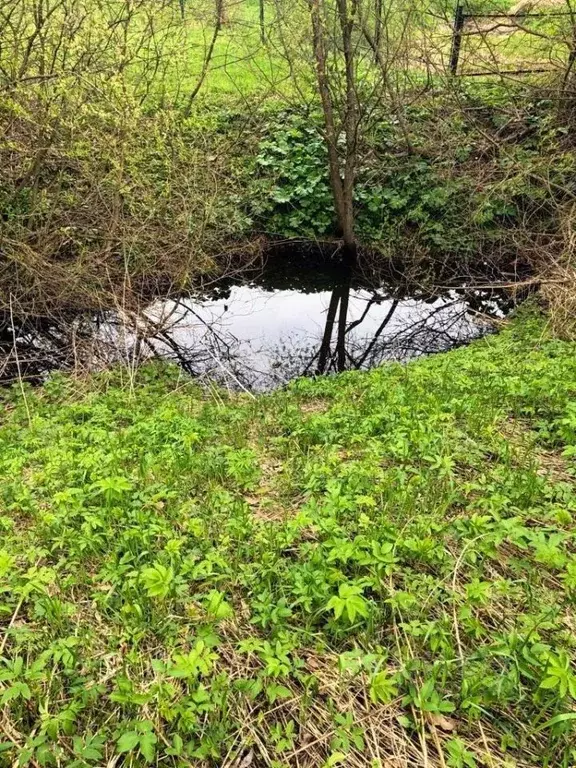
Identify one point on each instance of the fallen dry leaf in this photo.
(442, 722)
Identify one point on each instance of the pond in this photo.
(262, 328)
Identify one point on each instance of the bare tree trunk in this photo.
(347, 10)
(341, 341)
(208, 58)
(342, 186)
(328, 331)
(567, 88)
(262, 20)
(378, 23)
(383, 65)
(221, 12)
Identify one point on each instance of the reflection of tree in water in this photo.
(431, 328)
(214, 355)
(31, 347)
(34, 347)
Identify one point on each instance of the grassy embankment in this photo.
(372, 569)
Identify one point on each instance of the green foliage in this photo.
(393, 195)
(292, 195)
(348, 602)
(112, 177)
(430, 195)
(142, 740)
(421, 566)
(157, 580)
(383, 688)
(105, 178)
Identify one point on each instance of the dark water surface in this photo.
(259, 332)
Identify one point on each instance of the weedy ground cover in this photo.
(374, 569)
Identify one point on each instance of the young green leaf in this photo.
(158, 580)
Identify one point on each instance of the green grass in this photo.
(535, 43)
(241, 66)
(373, 569)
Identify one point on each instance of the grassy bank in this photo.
(372, 569)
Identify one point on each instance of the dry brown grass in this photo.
(387, 744)
(558, 290)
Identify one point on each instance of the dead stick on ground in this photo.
(10, 625)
